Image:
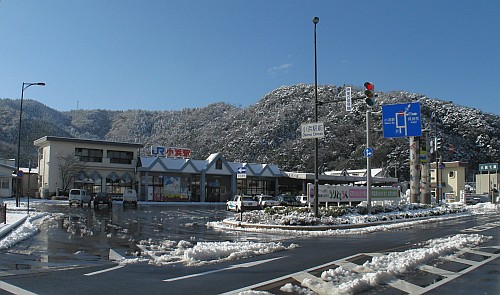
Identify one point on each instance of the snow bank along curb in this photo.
(5, 229)
(237, 223)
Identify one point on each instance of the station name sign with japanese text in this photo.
(488, 167)
(312, 130)
(170, 152)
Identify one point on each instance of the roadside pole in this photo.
(368, 164)
(414, 172)
(426, 169)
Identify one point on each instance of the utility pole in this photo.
(316, 141)
(426, 167)
(368, 163)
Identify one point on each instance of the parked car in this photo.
(103, 198)
(236, 203)
(470, 200)
(130, 197)
(267, 201)
(79, 197)
(473, 199)
(482, 198)
(302, 200)
(288, 201)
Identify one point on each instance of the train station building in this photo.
(167, 173)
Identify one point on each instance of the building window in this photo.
(89, 155)
(218, 164)
(451, 174)
(4, 183)
(120, 157)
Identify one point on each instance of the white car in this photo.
(236, 203)
(303, 200)
(267, 201)
(79, 197)
(130, 197)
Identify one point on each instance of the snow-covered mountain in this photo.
(268, 131)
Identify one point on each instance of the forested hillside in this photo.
(267, 132)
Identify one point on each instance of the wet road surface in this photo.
(84, 235)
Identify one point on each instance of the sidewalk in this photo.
(14, 219)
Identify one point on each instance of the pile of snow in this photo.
(29, 228)
(201, 253)
(484, 208)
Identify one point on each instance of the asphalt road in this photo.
(47, 263)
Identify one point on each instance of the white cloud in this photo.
(278, 69)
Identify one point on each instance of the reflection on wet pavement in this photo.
(84, 236)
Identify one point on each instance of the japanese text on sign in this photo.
(312, 130)
(170, 152)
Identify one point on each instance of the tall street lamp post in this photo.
(316, 181)
(18, 179)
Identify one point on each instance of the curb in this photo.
(7, 229)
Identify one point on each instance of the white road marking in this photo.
(396, 283)
(242, 265)
(14, 289)
(484, 227)
(104, 270)
(113, 255)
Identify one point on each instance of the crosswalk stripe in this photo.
(14, 289)
(399, 284)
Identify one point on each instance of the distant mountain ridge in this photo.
(266, 132)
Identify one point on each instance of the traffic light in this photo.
(370, 93)
(438, 143)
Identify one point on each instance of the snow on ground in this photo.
(347, 215)
(395, 217)
(27, 229)
(199, 253)
(382, 269)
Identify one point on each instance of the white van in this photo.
(303, 200)
(79, 196)
(130, 197)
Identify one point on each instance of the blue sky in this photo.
(169, 55)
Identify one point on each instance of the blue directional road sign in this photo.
(401, 120)
(368, 152)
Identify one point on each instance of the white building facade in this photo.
(104, 166)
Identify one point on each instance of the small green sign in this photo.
(488, 167)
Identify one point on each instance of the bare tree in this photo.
(70, 166)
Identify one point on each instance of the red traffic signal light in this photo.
(369, 88)
(370, 93)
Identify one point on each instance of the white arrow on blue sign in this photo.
(242, 170)
(401, 120)
(368, 152)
